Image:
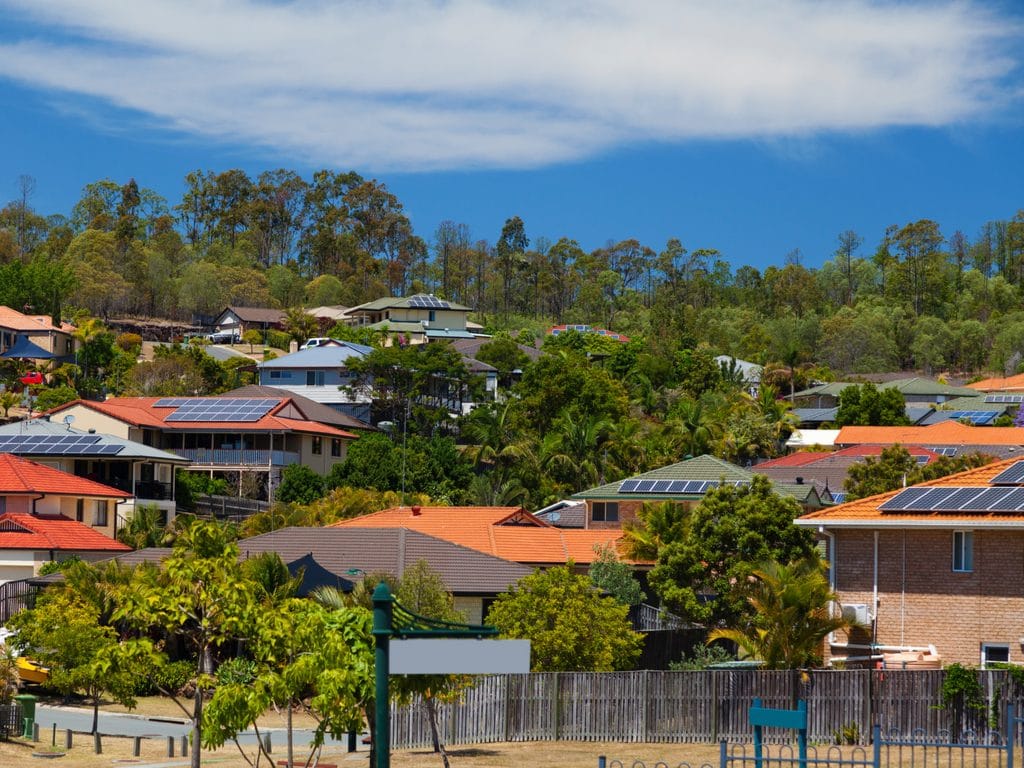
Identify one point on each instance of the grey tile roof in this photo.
(129, 448)
(336, 550)
(313, 410)
(471, 347)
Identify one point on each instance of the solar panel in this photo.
(962, 498)
(234, 409)
(645, 486)
(422, 301)
(904, 500)
(1004, 399)
(1012, 475)
(628, 486)
(39, 445)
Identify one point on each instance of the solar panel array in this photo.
(422, 301)
(1011, 399)
(976, 499)
(1012, 475)
(50, 445)
(238, 409)
(975, 417)
(686, 487)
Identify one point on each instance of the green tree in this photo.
(64, 633)
(300, 485)
(793, 612)
(609, 574)
(896, 468)
(200, 596)
(867, 406)
(729, 532)
(570, 626)
(656, 524)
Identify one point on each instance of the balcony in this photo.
(229, 457)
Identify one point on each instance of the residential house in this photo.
(748, 371)
(1000, 385)
(612, 504)
(222, 436)
(509, 533)
(46, 514)
(238, 320)
(828, 470)
(915, 391)
(341, 556)
(416, 319)
(818, 417)
(938, 564)
(144, 474)
(950, 438)
(313, 410)
(31, 332)
(321, 374)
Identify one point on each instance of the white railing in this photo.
(221, 457)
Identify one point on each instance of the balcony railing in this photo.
(226, 457)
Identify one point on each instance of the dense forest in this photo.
(924, 300)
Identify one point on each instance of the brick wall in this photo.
(922, 601)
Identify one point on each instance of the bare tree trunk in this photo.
(431, 705)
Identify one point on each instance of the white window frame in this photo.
(984, 653)
(101, 514)
(963, 551)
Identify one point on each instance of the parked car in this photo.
(319, 341)
(224, 337)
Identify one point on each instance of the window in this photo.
(80, 510)
(994, 654)
(100, 513)
(336, 446)
(605, 511)
(963, 551)
(318, 445)
(432, 316)
(314, 378)
(276, 374)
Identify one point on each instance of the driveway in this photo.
(120, 724)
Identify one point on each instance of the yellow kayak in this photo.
(31, 672)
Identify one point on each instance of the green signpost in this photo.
(391, 620)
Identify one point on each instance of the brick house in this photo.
(938, 564)
(686, 482)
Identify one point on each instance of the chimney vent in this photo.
(799, 481)
(416, 511)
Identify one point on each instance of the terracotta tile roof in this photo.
(139, 412)
(53, 532)
(22, 476)
(866, 511)
(943, 433)
(17, 321)
(798, 459)
(510, 533)
(1000, 384)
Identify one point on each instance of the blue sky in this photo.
(753, 127)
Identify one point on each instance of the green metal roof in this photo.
(975, 403)
(708, 468)
(921, 386)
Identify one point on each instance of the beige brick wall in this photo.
(922, 601)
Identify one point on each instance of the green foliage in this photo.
(571, 627)
(278, 339)
(300, 485)
(895, 467)
(129, 342)
(237, 671)
(57, 566)
(866, 405)
(847, 734)
(655, 525)
(172, 677)
(145, 528)
(791, 615)
(730, 531)
(53, 396)
(609, 574)
(701, 657)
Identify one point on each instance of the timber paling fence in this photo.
(703, 706)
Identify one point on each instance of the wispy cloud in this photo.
(404, 85)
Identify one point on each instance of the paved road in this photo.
(117, 724)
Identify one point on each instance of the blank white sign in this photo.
(457, 656)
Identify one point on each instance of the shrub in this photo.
(54, 396)
(236, 671)
(278, 339)
(129, 342)
(173, 677)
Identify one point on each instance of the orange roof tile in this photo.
(17, 321)
(53, 532)
(510, 533)
(20, 476)
(944, 433)
(866, 511)
(139, 412)
(1000, 384)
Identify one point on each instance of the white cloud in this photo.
(397, 84)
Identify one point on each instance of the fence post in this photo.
(556, 708)
(802, 733)
(876, 740)
(723, 754)
(1011, 732)
(645, 702)
(136, 746)
(714, 705)
(757, 737)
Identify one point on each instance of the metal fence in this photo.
(10, 720)
(702, 706)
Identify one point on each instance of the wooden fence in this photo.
(233, 508)
(707, 706)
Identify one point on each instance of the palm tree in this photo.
(575, 446)
(656, 524)
(794, 611)
(695, 427)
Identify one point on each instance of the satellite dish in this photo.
(554, 517)
(69, 420)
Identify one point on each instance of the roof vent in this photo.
(92, 430)
(416, 511)
(799, 481)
